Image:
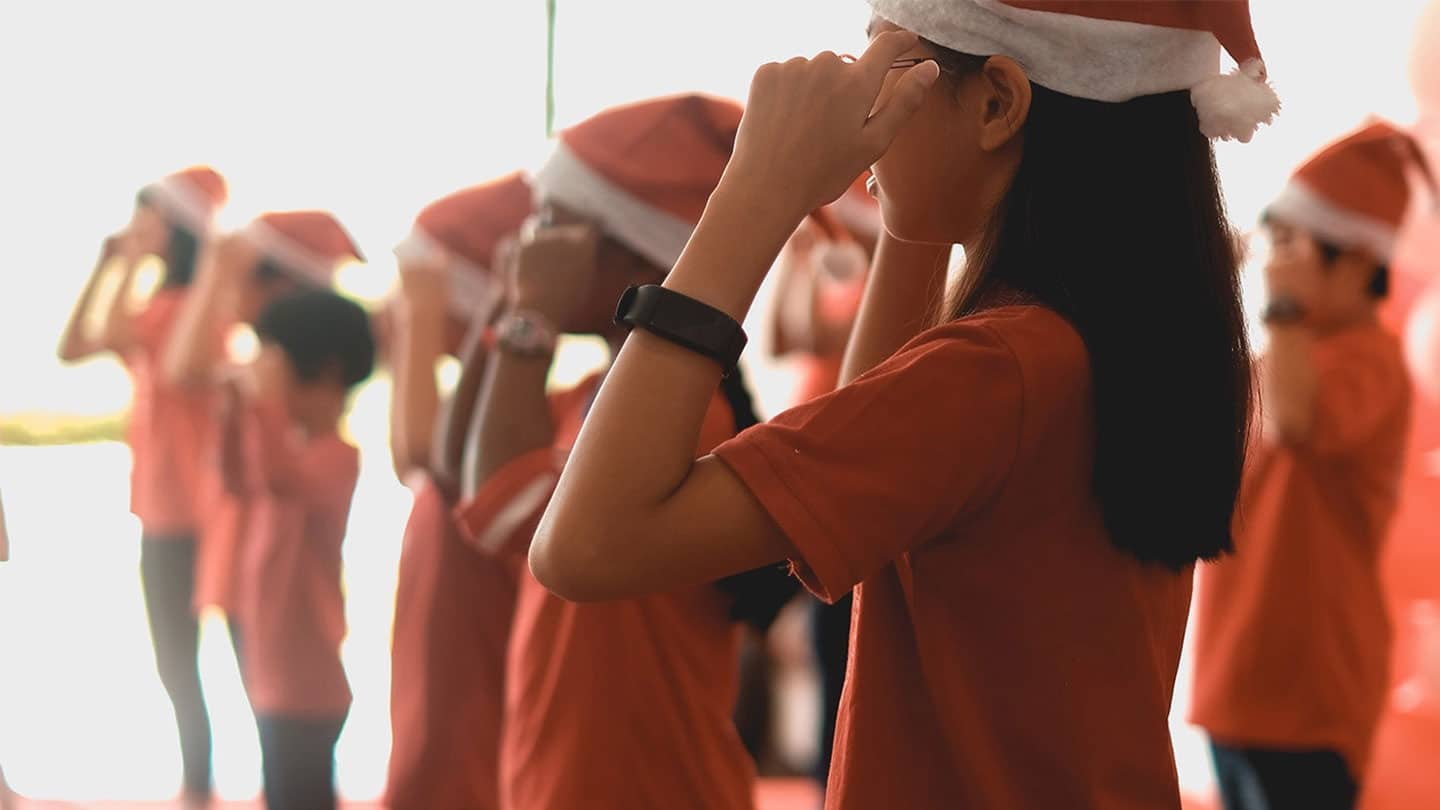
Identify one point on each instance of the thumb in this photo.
(905, 98)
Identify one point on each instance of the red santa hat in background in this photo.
(1113, 50)
(190, 197)
(1355, 192)
(311, 245)
(465, 228)
(644, 171)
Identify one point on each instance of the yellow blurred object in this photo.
(44, 429)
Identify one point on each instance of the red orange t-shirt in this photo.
(618, 704)
(169, 430)
(289, 597)
(1003, 652)
(1292, 637)
(453, 608)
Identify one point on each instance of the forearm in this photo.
(639, 439)
(117, 330)
(195, 342)
(621, 502)
(512, 417)
(415, 394)
(1290, 382)
(906, 281)
(76, 342)
(447, 452)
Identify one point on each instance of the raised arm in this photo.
(1290, 381)
(189, 358)
(906, 279)
(634, 512)
(447, 452)
(76, 341)
(419, 344)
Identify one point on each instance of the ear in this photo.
(1004, 102)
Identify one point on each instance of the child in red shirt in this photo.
(1018, 494)
(627, 704)
(167, 432)
(1292, 639)
(282, 453)
(453, 604)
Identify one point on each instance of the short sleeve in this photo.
(1363, 385)
(501, 516)
(859, 476)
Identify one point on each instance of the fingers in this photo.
(882, 53)
(906, 97)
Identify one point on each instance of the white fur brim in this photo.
(1301, 206)
(1103, 60)
(655, 234)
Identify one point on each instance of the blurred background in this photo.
(372, 110)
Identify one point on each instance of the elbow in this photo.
(566, 562)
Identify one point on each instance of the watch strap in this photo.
(684, 321)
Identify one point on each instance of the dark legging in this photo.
(298, 761)
(167, 573)
(1266, 779)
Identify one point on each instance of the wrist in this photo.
(1284, 310)
(527, 333)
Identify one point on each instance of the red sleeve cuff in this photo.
(500, 517)
(818, 563)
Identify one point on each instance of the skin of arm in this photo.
(447, 452)
(634, 512)
(76, 343)
(420, 338)
(189, 359)
(1290, 382)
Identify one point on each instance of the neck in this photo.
(322, 419)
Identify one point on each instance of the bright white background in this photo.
(370, 110)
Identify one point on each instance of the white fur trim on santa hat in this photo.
(655, 234)
(1300, 206)
(182, 202)
(1103, 60)
(471, 289)
(289, 255)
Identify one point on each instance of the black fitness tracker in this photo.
(684, 321)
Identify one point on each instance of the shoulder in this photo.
(1041, 346)
(1372, 349)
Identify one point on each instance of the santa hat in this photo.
(644, 171)
(1113, 50)
(467, 226)
(1354, 192)
(189, 197)
(312, 245)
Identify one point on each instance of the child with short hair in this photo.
(282, 451)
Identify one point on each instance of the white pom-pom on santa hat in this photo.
(1233, 106)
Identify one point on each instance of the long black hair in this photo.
(1115, 220)
(182, 248)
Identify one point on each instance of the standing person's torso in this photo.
(624, 704)
(1292, 635)
(170, 430)
(453, 611)
(1004, 653)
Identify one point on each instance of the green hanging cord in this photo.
(549, 68)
